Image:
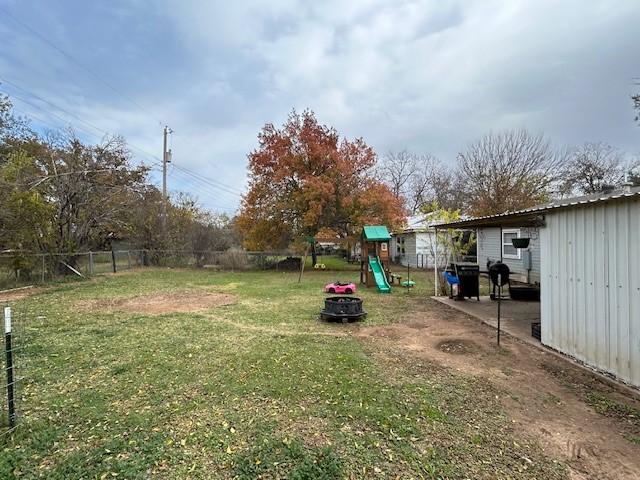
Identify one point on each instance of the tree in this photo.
(591, 168)
(11, 127)
(450, 244)
(26, 215)
(507, 171)
(445, 190)
(410, 177)
(61, 195)
(92, 188)
(303, 177)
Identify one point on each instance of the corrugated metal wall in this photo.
(590, 289)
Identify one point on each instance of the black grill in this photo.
(469, 275)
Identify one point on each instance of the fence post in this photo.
(113, 260)
(43, 268)
(90, 263)
(9, 353)
(129, 258)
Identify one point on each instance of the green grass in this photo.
(256, 389)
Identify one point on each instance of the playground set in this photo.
(374, 264)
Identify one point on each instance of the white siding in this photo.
(490, 246)
(590, 292)
(418, 249)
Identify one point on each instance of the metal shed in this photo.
(589, 277)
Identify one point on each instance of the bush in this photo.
(234, 259)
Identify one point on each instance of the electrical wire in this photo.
(65, 122)
(76, 62)
(210, 182)
(58, 107)
(191, 180)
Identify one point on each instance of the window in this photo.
(508, 250)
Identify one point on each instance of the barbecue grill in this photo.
(468, 274)
(501, 270)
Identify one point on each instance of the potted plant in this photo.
(522, 242)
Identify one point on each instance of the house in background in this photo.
(585, 253)
(413, 245)
(495, 244)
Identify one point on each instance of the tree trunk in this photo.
(314, 256)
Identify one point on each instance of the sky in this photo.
(429, 76)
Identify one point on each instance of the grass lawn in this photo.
(258, 388)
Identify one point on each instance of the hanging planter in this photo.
(520, 242)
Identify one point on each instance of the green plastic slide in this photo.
(379, 275)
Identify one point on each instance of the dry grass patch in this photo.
(161, 303)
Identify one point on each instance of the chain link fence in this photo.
(19, 269)
(426, 260)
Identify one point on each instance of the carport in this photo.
(515, 319)
(589, 277)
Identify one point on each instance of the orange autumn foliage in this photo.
(304, 178)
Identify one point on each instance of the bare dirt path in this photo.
(546, 398)
(14, 294)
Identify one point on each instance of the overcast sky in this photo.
(428, 76)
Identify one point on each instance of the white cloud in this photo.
(428, 75)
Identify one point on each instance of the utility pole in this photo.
(166, 158)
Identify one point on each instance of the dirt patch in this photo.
(417, 325)
(158, 304)
(458, 346)
(553, 406)
(17, 294)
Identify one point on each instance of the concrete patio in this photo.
(515, 319)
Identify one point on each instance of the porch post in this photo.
(435, 262)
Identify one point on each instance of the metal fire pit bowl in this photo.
(344, 309)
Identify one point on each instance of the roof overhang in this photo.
(514, 220)
(534, 216)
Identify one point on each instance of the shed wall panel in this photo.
(590, 290)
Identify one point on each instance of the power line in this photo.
(58, 107)
(154, 159)
(210, 182)
(76, 62)
(4, 80)
(150, 156)
(64, 121)
(201, 189)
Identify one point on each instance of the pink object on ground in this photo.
(338, 287)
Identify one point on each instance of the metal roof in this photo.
(533, 216)
(376, 233)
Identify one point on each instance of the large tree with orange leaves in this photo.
(304, 177)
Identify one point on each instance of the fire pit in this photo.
(345, 309)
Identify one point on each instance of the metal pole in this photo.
(499, 302)
(165, 160)
(435, 262)
(408, 274)
(9, 353)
